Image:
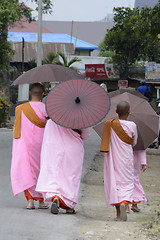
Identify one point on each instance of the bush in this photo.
(4, 109)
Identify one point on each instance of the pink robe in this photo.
(26, 151)
(118, 167)
(61, 163)
(138, 193)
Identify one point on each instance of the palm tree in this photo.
(67, 63)
(50, 58)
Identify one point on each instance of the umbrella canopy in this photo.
(47, 73)
(129, 90)
(77, 104)
(141, 113)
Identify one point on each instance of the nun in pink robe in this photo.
(118, 167)
(26, 151)
(139, 160)
(61, 164)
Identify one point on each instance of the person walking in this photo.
(119, 136)
(61, 166)
(30, 120)
(145, 90)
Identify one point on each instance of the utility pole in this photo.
(22, 54)
(39, 43)
(76, 37)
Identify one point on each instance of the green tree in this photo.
(47, 6)
(65, 62)
(150, 28)
(32, 64)
(133, 37)
(4, 109)
(104, 51)
(12, 11)
(123, 39)
(50, 58)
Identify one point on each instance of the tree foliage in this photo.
(65, 62)
(47, 6)
(133, 37)
(4, 109)
(50, 58)
(104, 51)
(12, 11)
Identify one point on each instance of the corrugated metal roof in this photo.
(50, 38)
(30, 50)
(25, 26)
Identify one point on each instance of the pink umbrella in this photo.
(77, 104)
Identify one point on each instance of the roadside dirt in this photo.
(98, 219)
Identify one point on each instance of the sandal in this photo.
(71, 212)
(54, 208)
(45, 206)
(30, 208)
(30, 205)
(135, 209)
(123, 214)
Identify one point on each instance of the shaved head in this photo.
(123, 108)
(37, 89)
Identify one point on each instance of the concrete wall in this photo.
(87, 60)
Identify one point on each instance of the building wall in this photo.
(87, 60)
(30, 50)
(82, 52)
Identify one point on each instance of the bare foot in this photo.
(30, 204)
(43, 205)
(127, 209)
(56, 200)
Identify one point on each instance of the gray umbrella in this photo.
(129, 90)
(141, 113)
(47, 73)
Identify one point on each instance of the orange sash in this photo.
(30, 114)
(106, 137)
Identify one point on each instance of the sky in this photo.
(81, 10)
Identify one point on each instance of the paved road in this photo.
(17, 223)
